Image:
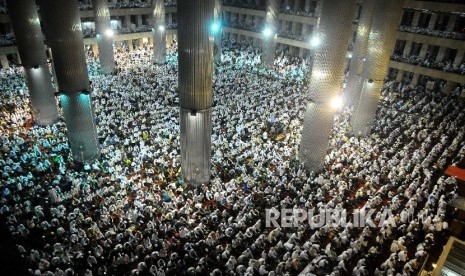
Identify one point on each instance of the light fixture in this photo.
(370, 80)
(109, 32)
(315, 41)
(194, 113)
(161, 28)
(215, 27)
(349, 55)
(35, 66)
(85, 92)
(267, 32)
(337, 103)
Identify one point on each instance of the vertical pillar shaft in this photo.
(415, 78)
(326, 80)
(4, 61)
(416, 18)
(269, 39)
(64, 36)
(104, 36)
(459, 56)
(294, 27)
(354, 78)
(159, 32)
(399, 76)
(307, 5)
(423, 51)
(139, 20)
(195, 88)
(218, 30)
(26, 26)
(381, 43)
(432, 21)
(441, 53)
(451, 23)
(407, 48)
(127, 21)
(449, 87)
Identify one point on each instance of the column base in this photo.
(196, 130)
(364, 114)
(318, 123)
(82, 132)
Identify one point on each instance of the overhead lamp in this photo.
(267, 32)
(315, 41)
(337, 103)
(215, 27)
(109, 32)
(161, 28)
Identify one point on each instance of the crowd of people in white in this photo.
(427, 31)
(131, 212)
(445, 65)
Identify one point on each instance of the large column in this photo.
(381, 43)
(104, 36)
(159, 32)
(269, 34)
(4, 61)
(30, 42)
(64, 37)
(217, 30)
(326, 80)
(195, 88)
(354, 78)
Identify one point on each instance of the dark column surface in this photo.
(159, 34)
(30, 42)
(269, 41)
(354, 79)
(104, 39)
(195, 87)
(326, 80)
(381, 42)
(218, 34)
(64, 36)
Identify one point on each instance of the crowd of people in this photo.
(431, 32)
(430, 62)
(132, 213)
(7, 39)
(117, 4)
(255, 5)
